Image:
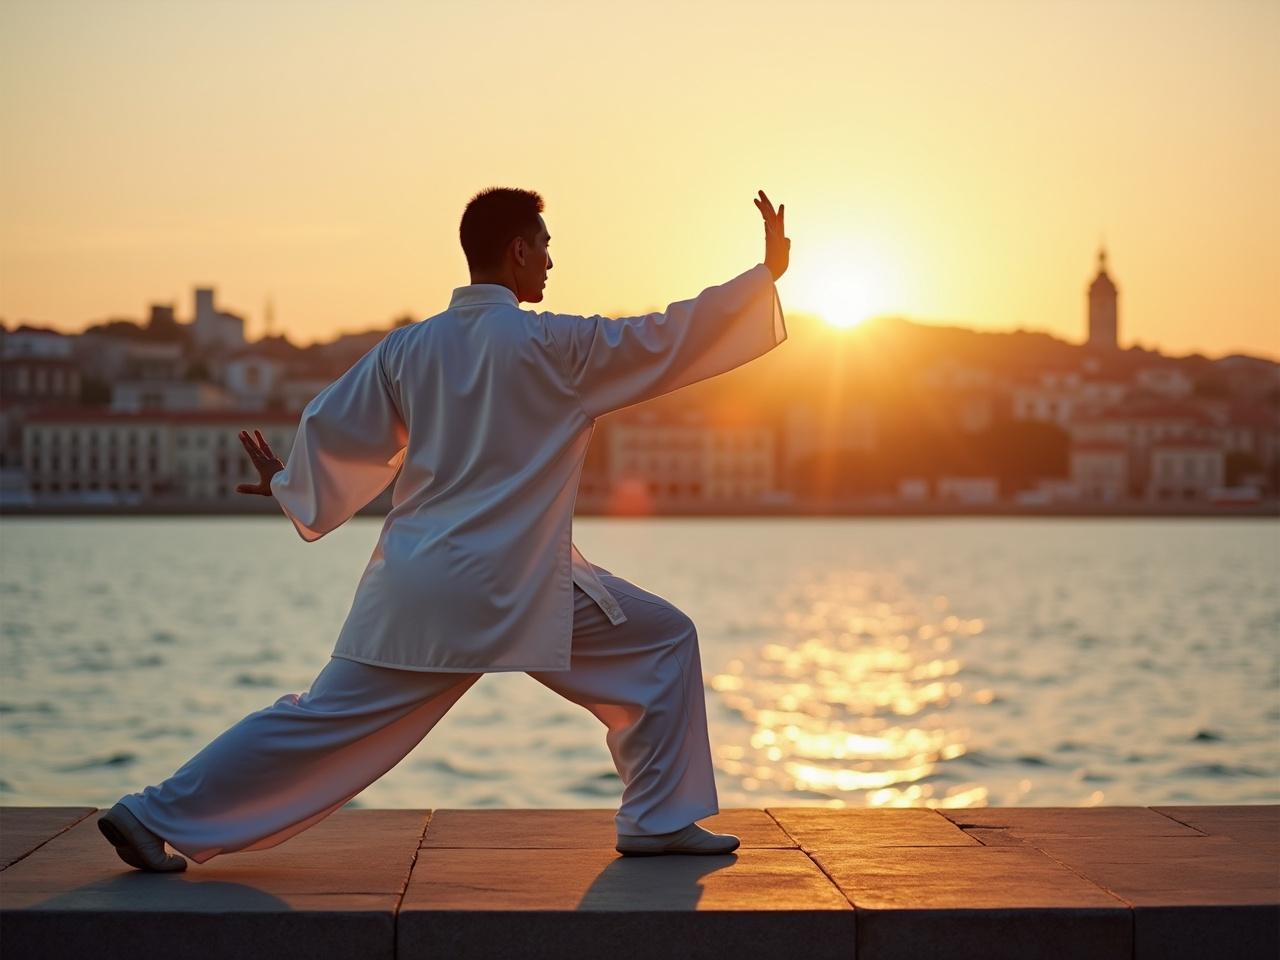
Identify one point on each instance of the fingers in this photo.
(265, 446)
(254, 453)
(773, 221)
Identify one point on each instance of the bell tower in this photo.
(1103, 313)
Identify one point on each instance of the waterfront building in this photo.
(150, 455)
(34, 372)
(1185, 470)
(1100, 471)
(689, 461)
(973, 490)
(1138, 426)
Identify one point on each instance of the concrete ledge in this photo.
(1032, 882)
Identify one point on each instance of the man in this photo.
(485, 412)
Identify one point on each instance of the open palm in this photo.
(777, 246)
(264, 460)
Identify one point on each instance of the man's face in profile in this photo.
(531, 277)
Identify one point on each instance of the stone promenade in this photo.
(993, 882)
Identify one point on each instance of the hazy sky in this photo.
(950, 162)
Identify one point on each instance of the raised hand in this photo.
(266, 462)
(777, 248)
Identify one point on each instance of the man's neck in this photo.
(498, 279)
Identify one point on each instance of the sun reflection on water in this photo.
(854, 710)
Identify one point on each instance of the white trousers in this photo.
(290, 765)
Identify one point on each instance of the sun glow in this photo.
(846, 286)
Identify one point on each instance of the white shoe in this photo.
(135, 844)
(691, 839)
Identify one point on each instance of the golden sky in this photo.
(949, 162)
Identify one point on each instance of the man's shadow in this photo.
(669, 882)
(137, 914)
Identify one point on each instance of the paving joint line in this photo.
(831, 880)
(404, 887)
(1176, 820)
(48, 839)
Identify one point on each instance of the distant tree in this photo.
(1020, 452)
(1212, 388)
(125, 329)
(840, 474)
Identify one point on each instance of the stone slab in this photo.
(981, 901)
(536, 903)
(824, 828)
(1192, 896)
(330, 891)
(1172, 871)
(23, 829)
(1249, 823)
(583, 829)
(1025, 882)
(1024, 822)
(351, 851)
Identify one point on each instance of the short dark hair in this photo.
(492, 219)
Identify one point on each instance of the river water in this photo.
(942, 662)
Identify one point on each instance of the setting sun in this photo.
(845, 285)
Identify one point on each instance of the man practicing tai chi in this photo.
(486, 411)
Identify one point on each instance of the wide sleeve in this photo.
(349, 445)
(613, 363)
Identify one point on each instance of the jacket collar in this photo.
(479, 293)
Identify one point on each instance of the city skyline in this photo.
(202, 301)
(955, 165)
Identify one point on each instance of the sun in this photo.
(845, 287)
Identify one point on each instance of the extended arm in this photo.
(615, 362)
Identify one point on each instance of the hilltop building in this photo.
(1103, 311)
(213, 328)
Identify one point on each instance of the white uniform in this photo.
(486, 410)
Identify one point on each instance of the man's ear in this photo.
(519, 250)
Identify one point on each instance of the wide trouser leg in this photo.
(288, 766)
(643, 679)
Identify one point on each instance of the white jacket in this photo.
(486, 410)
